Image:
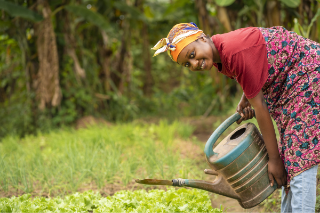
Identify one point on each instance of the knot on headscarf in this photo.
(179, 37)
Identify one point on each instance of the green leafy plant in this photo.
(182, 200)
(291, 3)
(224, 3)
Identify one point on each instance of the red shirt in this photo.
(243, 56)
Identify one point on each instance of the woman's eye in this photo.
(192, 55)
(186, 64)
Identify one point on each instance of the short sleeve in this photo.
(251, 69)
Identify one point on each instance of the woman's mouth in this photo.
(202, 64)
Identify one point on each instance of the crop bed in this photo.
(171, 200)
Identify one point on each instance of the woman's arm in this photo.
(276, 168)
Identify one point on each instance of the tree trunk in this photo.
(224, 18)
(118, 72)
(127, 62)
(203, 16)
(273, 15)
(104, 54)
(70, 47)
(148, 79)
(48, 88)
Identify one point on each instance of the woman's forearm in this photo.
(268, 133)
(266, 125)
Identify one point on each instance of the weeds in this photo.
(62, 161)
(272, 203)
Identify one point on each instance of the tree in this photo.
(48, 88)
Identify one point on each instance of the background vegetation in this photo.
(104, 158)
(61, 60)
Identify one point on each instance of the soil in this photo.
(87, 121)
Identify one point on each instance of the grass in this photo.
(66, 161)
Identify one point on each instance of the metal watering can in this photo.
(240, 162)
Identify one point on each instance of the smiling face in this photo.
(199, 55)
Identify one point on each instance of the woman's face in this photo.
(199, 55)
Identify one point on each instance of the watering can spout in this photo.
(218, 186)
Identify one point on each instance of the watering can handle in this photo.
(208, 150)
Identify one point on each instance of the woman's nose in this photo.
(194, 64)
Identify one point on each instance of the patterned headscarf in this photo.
(178, 38)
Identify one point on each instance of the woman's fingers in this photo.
(250, 113)
(246, 113)
(240, 111)
(271, 179)
(240, 120)
(279, 181)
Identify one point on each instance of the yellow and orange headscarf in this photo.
(178, 38)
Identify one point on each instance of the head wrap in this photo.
(178, 38)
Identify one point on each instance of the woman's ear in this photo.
(203, 38)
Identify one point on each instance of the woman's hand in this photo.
(244, 109)
(276, 171)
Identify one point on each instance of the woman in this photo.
(278, 71)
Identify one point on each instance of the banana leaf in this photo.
(16, 10)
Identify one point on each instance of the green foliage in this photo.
(78, 99)
(224, 3)
(273, 202)
(89, 15)
(121, 108)
(172, 200)
(133, 12)
(16, 108)
(300, 29)
(97, 30)
(291, 3)
(19, 11)
(318, 204)
(63, 161)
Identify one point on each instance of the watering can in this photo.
(240, 162)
